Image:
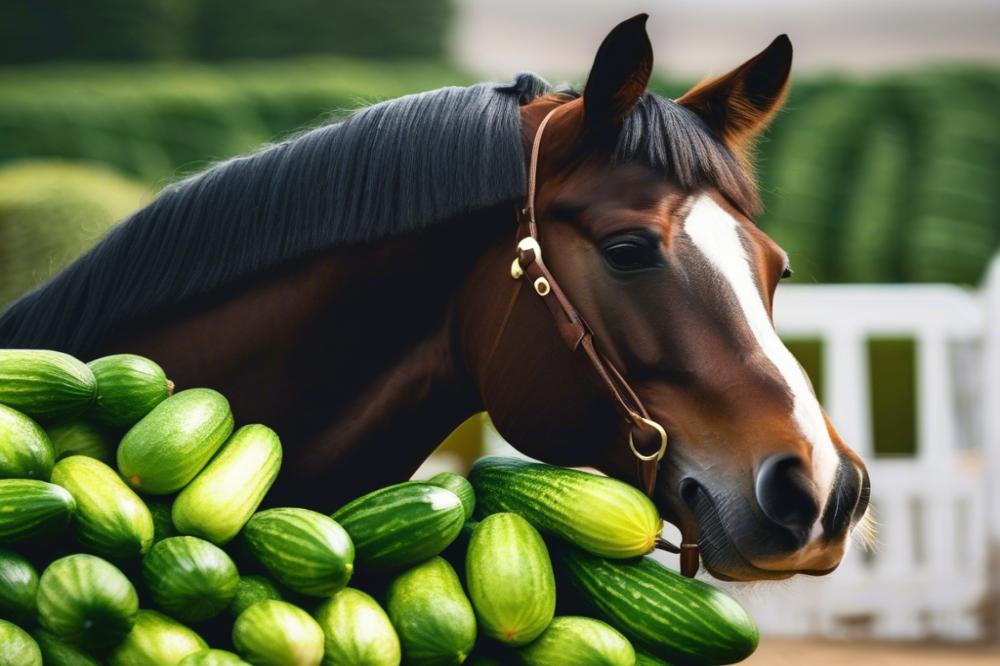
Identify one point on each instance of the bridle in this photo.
(529, 266)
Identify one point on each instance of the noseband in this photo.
(578, 336)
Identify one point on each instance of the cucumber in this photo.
(221, 499)
(57, 652)
(46, 385)
(18, 587)
(601, 515)
(128, 388)
(212, 657)
(111, 520)
(510, 580)
(643, 658)
(276, 633)
(163, 526)
(581, 641)
(249, 591)
(304, 550)
(33, 509)
(25, 449)
(402, 524)
(17, 647)
(432, 615)
(83, 438)
(154, 640)
(189, 578)
(672, 617)
(357, 631)
(167, 448)
(459, 485)
(86, 601)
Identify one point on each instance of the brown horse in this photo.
(352, 288)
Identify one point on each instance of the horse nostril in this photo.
(786, 494)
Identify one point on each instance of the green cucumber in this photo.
(581, 641)
(673, 617)
(402, 524)
(212, 657)
(510, 580)
(221, 499)
(128, 388)
(154, 640)
(25, 449)
(46, 385)
(276, 633)
(601, 515)
(167, 448)
(111, 520)
(304, 550)
(33, 509)
(18, 588)
(86, 601)
(249, 591)
(357, 631)
(57, 652)
(432, 615)
(459, 485)
(643, 658)
(17, 647)
(83, 438)
(163, 525)
(189, 578)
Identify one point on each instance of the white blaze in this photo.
(717, 235)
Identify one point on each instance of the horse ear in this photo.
(738, 106)
(619, 75)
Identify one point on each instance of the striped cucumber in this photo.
(156, 639)
(402, 524)
(459, 485)
(18, 588)
(33, 509)
(509, 577)
(86, 601)
(304, 550)
(601, 515)
(25, 449)
(167, 448)
(357, 631)
(581, 641)
(17, 647)
(83, 438)
(111, 520)
(276, 633)
(46, 385)
(189, 578)
(251, 589)
(221, 499)
(672, 617)
(57, 652)
(128, 388)
(432, 615)
(212, 657)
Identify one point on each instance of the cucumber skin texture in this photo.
(156, 639)
(357, 631)
(17, 647)
(401, 524)
(304, 550)
(57, 652)
(79, 589)
(46, 385)
(276, 633)
(581, 641)
(41, 508)
(510, 580)
(111, 520)
(128, 388)
(459, 485)
(221, 499)
(249, 591)
(432, 616)
(166, 449)
(189, 578)
(672, 617)
(601, 515)
(212, 657)
(18, 589)
(83, 438)
(25, 449)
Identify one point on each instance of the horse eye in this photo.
(629, 255)
(787, 273)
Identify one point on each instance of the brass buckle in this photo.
(663, 442)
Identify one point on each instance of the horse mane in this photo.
(389, 169)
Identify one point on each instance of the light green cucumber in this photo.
(189, 578)
(580, 641)
(128, 388)
(156, 639)
(459, 485)
(249, 591)
(81, 437)
(46, 385)
(25, 449)
(18, 589)
(276, 633)
(357, 631)
(33, 509)
(17, 647)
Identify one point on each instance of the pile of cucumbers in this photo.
(132, 534)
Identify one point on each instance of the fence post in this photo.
(991, 435)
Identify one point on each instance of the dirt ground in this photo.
(780, 652)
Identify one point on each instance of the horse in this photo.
(353, 288)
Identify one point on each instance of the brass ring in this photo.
(529, 243)
(663, 441)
